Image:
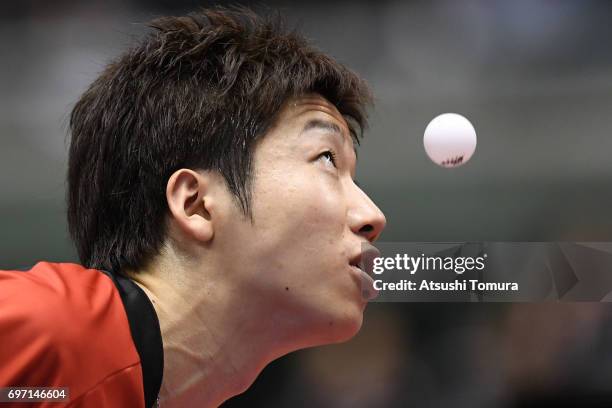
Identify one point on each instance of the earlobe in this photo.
(188, 197)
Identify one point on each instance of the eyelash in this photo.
(332, 156)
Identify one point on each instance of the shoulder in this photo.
(59, 300)
(62, 325)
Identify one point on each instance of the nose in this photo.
(365, 218)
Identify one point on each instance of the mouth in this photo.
(362, 263)
(364, 260)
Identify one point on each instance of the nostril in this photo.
(367, 228)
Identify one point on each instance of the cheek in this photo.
(300, 220)
(321, 209)
(307, 207)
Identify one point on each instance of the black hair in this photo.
(196, 92)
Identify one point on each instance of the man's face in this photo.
(309, 223)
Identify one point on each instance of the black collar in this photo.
(146, 334)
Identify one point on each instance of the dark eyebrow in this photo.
(328, 126)
(323, 125)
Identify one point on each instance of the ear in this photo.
(190, 200)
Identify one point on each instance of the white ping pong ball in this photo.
(449, 140)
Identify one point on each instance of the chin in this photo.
(329, 320)
(344, 325)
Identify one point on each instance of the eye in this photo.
(329, 157)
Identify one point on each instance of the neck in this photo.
(206, 357)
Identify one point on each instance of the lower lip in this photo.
(368, 292)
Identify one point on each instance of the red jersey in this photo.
(94, 332)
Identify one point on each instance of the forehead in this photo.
(298, 110)
(297, 118)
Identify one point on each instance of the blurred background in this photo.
(535, 79)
